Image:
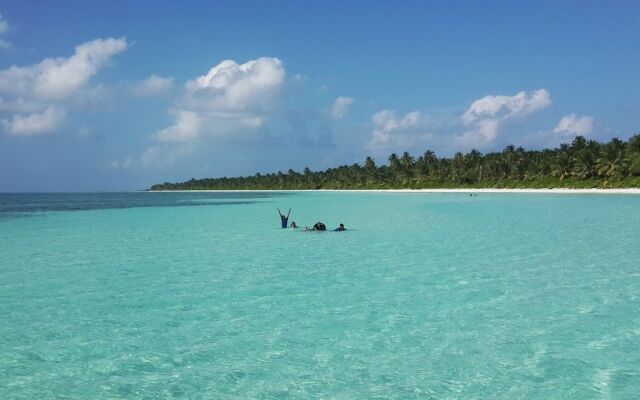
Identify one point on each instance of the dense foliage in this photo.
(581, 164)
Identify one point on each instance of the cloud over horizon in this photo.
(391, 133)
(154, 85)
(41, 89)
(572, 125)
(230, 98)
(58, 78)
(340, 107)
(485, 116)
(35, 123)
(481, 124)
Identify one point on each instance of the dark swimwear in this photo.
(284, 220)
(319, 226)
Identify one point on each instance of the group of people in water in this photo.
(318, 226)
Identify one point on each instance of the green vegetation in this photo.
(581, 164)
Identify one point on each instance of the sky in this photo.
(119, 95)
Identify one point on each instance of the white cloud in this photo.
(340, 107)
(230, 98)
(162, 156)
(486, 115)
(187, 127)
(36, 123)
(38, 93)
(20, 106)
(229, 86)
(521, 104)
(391, 132)
(152, 86)
(59, 78)
(573, 125)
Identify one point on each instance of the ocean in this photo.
(426, 295)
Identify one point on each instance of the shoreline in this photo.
(470, 190)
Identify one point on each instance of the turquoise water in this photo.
(179, 295)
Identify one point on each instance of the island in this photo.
(582, 164)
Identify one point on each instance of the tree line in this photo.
(581, 164)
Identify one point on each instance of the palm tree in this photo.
(458, 167)
(634, 144)
(585, 164)
(407, 163)
(579, 143)
(612, 163)
(395, 166)
(370, 170)
(563, 166)
(430, 160)
(474, 159)
(369, 164)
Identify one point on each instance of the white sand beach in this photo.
(463, 190)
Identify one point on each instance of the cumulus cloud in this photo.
(340, 107)
(37, 93)
(391, 132)
(572, 125)
(59, 78)
(152, 86)
(231, 87)
(36, 123)
(230, 98)
(485, 115)
(20, 105)
(187, 127)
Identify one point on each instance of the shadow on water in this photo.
(16, 205)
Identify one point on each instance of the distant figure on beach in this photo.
(293, 225)
(284, 219)
(340, 228)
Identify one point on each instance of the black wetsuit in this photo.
(284, 219)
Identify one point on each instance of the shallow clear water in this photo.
(427, 296)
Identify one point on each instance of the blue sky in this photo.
(119, 95)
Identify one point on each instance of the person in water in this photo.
(293, 225)
(284, 219)
(318, 226)
(340, 228)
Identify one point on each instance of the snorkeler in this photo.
(284, 219)
(318, 226)
(340, 228)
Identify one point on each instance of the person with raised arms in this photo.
(284, 219)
